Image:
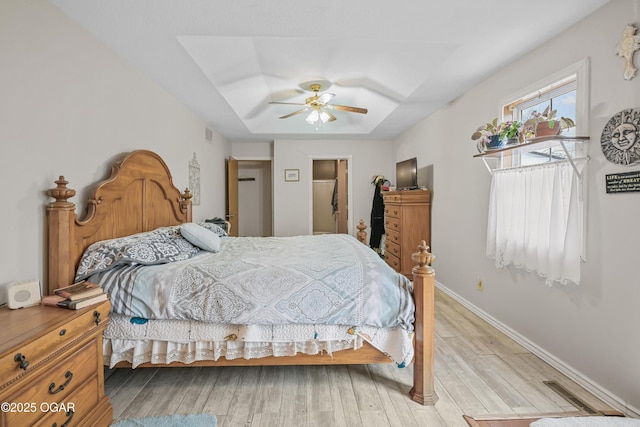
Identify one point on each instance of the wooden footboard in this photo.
(140, 196)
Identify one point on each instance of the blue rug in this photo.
(199, 420)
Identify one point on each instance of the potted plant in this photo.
(511, 131)
(546, 123)
(494, 134)
(487, 135)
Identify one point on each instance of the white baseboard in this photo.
(592, 387)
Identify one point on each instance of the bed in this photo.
(139, 199)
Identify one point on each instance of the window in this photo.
(567, 93)
(561, 97)
(536, 207)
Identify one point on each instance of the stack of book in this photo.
(76, 296)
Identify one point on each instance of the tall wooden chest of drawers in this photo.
(407, 222)
(51, 367)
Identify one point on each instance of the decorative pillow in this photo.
(214, 227)
(200, 236)
(219, 222)
(162, 245)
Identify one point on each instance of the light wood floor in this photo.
(478, 371)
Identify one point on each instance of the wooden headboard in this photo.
(138, 196)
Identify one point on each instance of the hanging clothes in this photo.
(377, 214)
(334, 198)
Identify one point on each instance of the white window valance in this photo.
(535, 222)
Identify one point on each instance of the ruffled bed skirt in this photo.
(166, 341)
(137, 352)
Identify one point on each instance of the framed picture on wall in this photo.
(291, 175)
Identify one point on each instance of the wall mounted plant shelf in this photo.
(509, 156)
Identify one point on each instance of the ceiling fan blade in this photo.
(286, 103)
(332, 118)
(347, 108)
(295, 113)
(324, 98)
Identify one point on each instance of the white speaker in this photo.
(23, 294)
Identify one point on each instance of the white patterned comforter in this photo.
(327, 279)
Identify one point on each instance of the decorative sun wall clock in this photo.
(620, 141)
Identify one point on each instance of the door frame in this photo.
(349, 159)
(231, 196)
(263, 159)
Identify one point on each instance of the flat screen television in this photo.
(407, 174)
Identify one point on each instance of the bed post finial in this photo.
(362, 235)
(423, 390)
(60, 217)
(186, 203)
(61, 193)
(424, 258)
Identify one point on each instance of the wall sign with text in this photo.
(623, 182)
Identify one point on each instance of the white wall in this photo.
(70, 106)
(593, 327)
(291, 199)
(252, 150)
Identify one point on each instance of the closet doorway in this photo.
(330, 200)
(254, 212)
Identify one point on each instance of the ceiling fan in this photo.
(318, 105)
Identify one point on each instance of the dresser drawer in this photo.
(392, 248)
(392, 211)
(392, 224)
(391, 198)
(76, 407)
(392, 236)
(393, 261)
(58, 384)
(34, 352)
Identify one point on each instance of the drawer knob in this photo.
(52, 386)
(70, 414)
(22, 361)
(62, 332)
(96, 314)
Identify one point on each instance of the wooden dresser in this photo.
(51, 367)
(407, 221)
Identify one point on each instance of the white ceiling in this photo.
(403, 60)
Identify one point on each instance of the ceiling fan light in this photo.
(320, 110)
(324, 117)
(313, 117)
